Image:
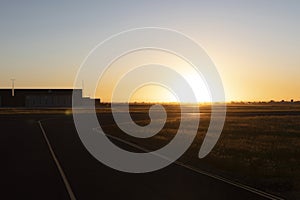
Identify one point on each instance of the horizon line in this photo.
(275, 100)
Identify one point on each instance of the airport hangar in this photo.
(29, 98)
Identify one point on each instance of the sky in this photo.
(255, 45)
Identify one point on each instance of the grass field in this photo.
(260, 150)
(259, 145)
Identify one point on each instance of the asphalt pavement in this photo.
(30, 172)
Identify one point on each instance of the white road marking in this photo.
(62, 174)
(239, 185)
(236, 184)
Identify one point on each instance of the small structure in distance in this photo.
(31, 98)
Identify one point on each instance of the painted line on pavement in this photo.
(236, 184)
(61, 171)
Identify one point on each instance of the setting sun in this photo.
(152, 92)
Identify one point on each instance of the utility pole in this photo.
(13, 87)
(82, 88)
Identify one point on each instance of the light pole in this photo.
(13, 87)
(82, 90)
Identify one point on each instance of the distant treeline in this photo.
(266, 102)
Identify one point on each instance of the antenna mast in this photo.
(13, 87)
(82, 88)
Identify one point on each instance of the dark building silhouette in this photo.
(40, 97)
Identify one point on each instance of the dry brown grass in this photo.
(259, 146)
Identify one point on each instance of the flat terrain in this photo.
(258, 147)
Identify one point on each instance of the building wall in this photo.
(38, 97)
(48, 101)
(7, 100)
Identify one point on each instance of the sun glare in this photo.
(153, 92)
(198, 85)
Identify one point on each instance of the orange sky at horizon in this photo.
(255, 45)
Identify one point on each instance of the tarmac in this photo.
(29, 170)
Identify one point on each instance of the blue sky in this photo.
(255, 44)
